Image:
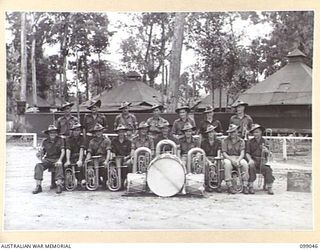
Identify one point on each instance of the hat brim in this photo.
(212, 129)
(158, 106)
(231, 130)
(64, 107)
(48, 131)
(241, 104)
(125, 106)
(259, 127)
(193, 129)
(208, 111)
(97, 103)
(121, 129)
(76, 128)
(178, 109)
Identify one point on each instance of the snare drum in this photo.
(195, 184)
(166, 175)
(137, 183)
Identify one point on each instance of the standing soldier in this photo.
(241, 119)
(209, 112)
(90, 120)
(65, 122)
(187, 142)
(184, 118)
(257, 154)
(156, 120)
(75, 146)
(126, 119)
(51, 155)
(233, 149)
(100, 145)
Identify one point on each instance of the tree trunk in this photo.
(99, 75)
(175, 62)
(23, 90)
(33, 65)
(64, 52)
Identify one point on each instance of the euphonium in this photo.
(92, 174)
(164, 145)
(196, 160)
(215, 172)
(114, 174)
(70, 180)
(141, 160)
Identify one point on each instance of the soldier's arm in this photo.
(242, 152)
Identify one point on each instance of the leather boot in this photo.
(245, 190)
(270, 191)
(37, 190)
(231, 190)
(59, 189)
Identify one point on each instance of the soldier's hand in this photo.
(79, 164)
(58, 164)
(251, 162)
(67, 163)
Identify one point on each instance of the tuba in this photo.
(141, 159)
(195, 179)
(166, 146)
(114, 174)
(236, 180)
(216, 173)
(70, 180)
(92, 173)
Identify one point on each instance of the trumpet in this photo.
(166, 146)
(141, 160)
(92, 173)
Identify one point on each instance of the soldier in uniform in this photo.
(209, 121)
(233, 149)
(187, 142)
(156, 120)
(142, 139)
(126, 119)
(51, 155)
(166, 135)
(241, 119)
(211, 146)
(90, 120)
(75, 147)
(65, 122)
(121, 148)
(100, 145)
(255, 147)
(184, 118)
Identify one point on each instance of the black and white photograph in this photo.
(149, 121)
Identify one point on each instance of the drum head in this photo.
(166, 175)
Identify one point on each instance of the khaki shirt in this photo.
(89, 121)
(129, 122)
(254, 148)
(178, 125)
(233, 148)
(52, 149)
(154, 123)
(186, 146)
(99, 146)
(244, 124)
(139, 141)
(64, 124)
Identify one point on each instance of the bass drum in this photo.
(166, 175)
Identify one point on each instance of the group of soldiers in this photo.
(69, 142)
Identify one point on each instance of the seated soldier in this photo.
(187, 142)
(75, 146)
(211, 146)
(121, 147)
(254, 155)
(51, 154)
(99, 145)
(233, 149)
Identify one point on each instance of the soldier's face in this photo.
(240, 109)
(257, 133)
(67, 110)
(76, 132)
(233, 134)
(143, 131)
(165, 130)
(121, 133)
(188, 133)
(182, 113)
(99, 133)
(94, 109)
(125, 110)
(52, 135)
(211, 134)
(156, 112)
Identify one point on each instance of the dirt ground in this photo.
(105, 210)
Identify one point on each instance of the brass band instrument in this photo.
(195, 179)
(236, 179)
(114, 180)
(92, 173)
(215, 172)
(70, 180)
(141, 159)
(166, 146)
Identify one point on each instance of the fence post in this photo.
(284, 149)
(35, 140)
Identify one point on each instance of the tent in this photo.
(291, 85)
